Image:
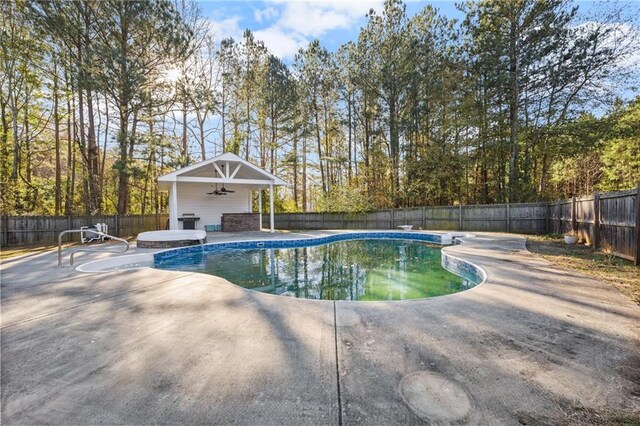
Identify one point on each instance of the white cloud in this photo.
(267, 14)
(316, 18)
(291, 24)
(227, 27)
(281, 44)
(298, 22)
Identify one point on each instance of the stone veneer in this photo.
(169, 244)
(240, 222)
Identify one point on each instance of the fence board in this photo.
(41, 230)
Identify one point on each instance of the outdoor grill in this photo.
(188, 220)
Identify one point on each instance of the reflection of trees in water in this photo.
(339, 271)
(345, 270)
(322, 272)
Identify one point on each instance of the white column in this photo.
(173, 206)
(260, 206)
(271, 207)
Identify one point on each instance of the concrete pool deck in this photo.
(533, 344)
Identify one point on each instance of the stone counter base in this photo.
(169, 244)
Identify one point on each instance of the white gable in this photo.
(225, 168)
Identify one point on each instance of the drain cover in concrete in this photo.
(435, 398)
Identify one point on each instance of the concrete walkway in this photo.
(531, 345)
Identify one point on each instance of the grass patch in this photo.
(620, 273)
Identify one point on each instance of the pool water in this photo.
(344, 270)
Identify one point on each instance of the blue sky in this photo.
(286, 25)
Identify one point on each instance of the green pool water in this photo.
(343, 270)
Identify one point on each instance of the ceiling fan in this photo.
(216, 192)
(223, 190)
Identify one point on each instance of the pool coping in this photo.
(448, 240)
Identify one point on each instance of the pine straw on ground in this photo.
(14, 251)
(620, 273)
(7, 252)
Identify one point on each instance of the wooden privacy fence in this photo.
(30, 230)
(607, 221)
(523, 218)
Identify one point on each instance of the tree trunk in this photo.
(295, 169)
(16, 141)
(106, 137)
(319, 144)
(304, 174)
(93, 160)
(247, 147)
(394, 142)
(123, 169)
(203, 148)
(56, 136)
(223, 118)
(349, 141)
(513, 110)
(68, 198)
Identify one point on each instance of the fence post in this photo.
(5, 231)
(393, 219)
(559, 216)
(574, 219)
(596, 219)
(547, 221)
(460, 217)
(637, 261)
(424, 217)
(508, 218)
(117, 222)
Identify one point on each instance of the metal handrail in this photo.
(100, 234)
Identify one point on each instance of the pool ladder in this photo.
(101, 249)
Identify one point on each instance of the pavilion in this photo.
(221, 185)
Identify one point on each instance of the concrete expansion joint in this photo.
(335, 335)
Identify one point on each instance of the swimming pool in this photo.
(393, 266)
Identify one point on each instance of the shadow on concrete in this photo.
(165, 347)
(531, 345)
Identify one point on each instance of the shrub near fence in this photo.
(32, 230)
(607, 221)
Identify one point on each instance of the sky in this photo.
(287, 25)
